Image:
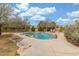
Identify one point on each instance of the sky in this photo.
(61, 13)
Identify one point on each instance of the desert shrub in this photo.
(71, 33)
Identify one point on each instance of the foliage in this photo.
(46, 25)
(61, 29)
(33, 28)
(5, 11)
(40, 28)
(27, 28)
(72, 33)
(16, 24)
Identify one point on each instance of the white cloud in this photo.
(47, 10)
(38, 17)
(65, 21)
(25, 14)
(62, 21)
(22, 6)
(73, 14)
(32, 11)
(38, 11)
(35, 12)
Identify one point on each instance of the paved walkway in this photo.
(54, 47)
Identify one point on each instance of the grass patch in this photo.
(7, 47)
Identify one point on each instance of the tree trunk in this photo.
(0, 30)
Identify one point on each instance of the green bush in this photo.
(40, 28)
(33, 28)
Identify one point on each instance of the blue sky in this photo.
(61, 13)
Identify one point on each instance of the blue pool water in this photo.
(40, 35)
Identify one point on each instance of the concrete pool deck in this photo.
(54, 47)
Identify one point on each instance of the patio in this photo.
(55, 47)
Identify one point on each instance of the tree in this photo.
(33, 28)
(51, 25)
(40, 28)
(46, 25)
(27, 25)
(16, 24)
(5, 11)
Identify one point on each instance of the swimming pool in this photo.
(40, 35)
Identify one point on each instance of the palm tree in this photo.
(5, 11)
